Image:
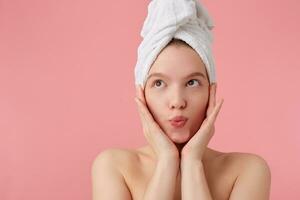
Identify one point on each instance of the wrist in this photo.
(168, 161)
(168, 166)
(190, 160)
(169, 157)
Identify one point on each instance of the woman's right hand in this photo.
(159, 141)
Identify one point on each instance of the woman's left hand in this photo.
(196, 146)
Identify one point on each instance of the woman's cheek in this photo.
(199, 113)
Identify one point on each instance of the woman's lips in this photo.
(178, 123)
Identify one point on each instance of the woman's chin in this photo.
(179, 136)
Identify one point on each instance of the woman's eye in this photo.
(157, 83)
(191, 81)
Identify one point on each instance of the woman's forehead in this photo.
(174, 56)
(179, 70)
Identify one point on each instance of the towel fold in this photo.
(186, 20)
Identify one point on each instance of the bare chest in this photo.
(220, 180)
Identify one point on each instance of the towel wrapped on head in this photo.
(186, 20)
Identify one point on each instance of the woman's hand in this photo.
(159, 141)
(196, 146)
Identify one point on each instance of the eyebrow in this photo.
(163, 75)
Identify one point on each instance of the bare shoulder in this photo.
(253, 175)
(116, 156)
(108, 181)
(243, 161)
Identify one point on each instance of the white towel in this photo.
(187, 20)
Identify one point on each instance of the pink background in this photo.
(67, 88)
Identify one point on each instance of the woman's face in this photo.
(176, 91)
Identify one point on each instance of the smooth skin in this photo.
(108, 182)
(183, 156)
(191, 154)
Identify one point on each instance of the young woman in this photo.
(177, 164)
(177, 106)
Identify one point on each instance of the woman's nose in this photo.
(177, 101)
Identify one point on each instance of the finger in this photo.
(212, 94)
(144, 111)
(208, 124)
(148, 116)
(140, 107)
(211, 103)
(138, 91)
(142, 94)
(140, 111)
(215, 111)
(215, 92)
(146, 122)
(149, 124)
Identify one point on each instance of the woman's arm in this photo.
(193, 183)
(162, 184)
